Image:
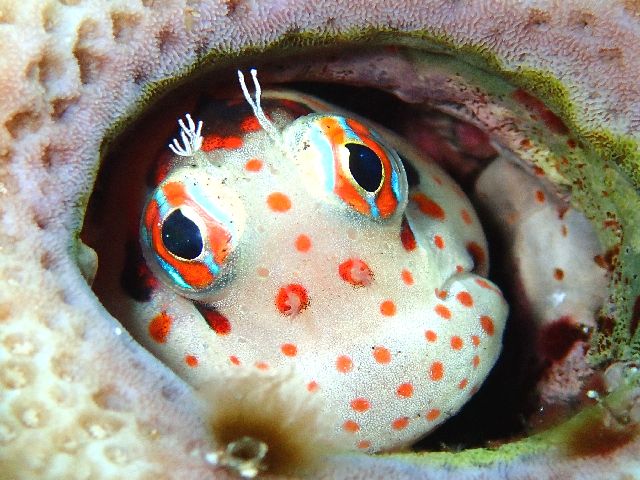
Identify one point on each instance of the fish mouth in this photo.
(466, 117)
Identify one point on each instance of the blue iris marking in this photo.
(173, 273)
(395, 184)
(214, 268)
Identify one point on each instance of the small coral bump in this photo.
(245, 456)
(267, 420)
(191, 138)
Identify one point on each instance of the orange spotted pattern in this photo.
(349, 364)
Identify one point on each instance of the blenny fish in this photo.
(304, 238)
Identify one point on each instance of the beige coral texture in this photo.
(80, 399)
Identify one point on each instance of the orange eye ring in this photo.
(187, 235)
(358, 168)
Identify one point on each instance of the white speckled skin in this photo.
(392, 358)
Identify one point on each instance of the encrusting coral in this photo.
(79, 398)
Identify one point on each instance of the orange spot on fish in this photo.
(356, 272)
(364, 444)
(351, 426)
(250, 124)
(539, 196)
(360, 405)
(456, 342)
(400, 423)
(466, 217)
(428, 206)
(160, 326)
(406, 236)
(443, 311)
(217, 321)
(477, 253)
(235, 360)
(438, 241)
(344, 364)
(463, 384)
(487, 325)
(292, 299)
(278, 202)
(253, 165)
(381, 355)
(289, 349)
(431, 336)
(405, 390)
(476, 361)
(312, 386)
(558, 274)
(465, 299)
(433, 414)
(388, 308)
(436, 371)
(407, 277)
(214, 142)
(303, 243)
(191, 360)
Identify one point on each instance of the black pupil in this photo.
(365, 166)
(181, 236)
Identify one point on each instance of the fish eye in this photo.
(355, 166)
(189, 232)
(365, 166)
(181, 236)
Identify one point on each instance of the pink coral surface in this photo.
(81, 399)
